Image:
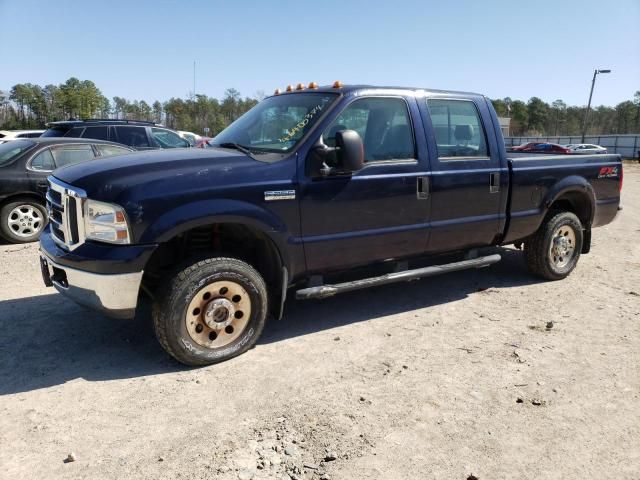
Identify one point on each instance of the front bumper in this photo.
(115, 295)
(101, 277)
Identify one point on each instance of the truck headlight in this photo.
(105, 222)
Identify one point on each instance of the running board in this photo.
(324, 291)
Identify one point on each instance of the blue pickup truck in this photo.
(317, 190)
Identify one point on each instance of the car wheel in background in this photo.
(22, 221)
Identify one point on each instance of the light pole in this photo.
(586, 113)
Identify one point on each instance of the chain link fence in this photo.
(626, 145)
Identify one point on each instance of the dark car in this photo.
(137, 134)
(24, 167)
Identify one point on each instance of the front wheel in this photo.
(553, 251)
(210, 311)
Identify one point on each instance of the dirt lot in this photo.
(441, 378)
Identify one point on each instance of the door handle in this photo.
(423, 188)
(494, 182)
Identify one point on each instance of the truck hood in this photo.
(105, 179)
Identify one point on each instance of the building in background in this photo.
(505, 122)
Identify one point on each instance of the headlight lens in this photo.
(105, 222)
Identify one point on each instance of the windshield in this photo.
(277, 123)
(10, 150)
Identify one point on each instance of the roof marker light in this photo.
(277, 92)
(313, 85)
(337, 84)
(289, 88)
(301, 86)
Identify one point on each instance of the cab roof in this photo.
(354, 89)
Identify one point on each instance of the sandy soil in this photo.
(442, 378)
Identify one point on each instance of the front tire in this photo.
(210, 311)
(22, 221)
(553, 251)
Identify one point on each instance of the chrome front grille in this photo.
(65, 206)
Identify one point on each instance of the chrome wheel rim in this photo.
(218, 314)
(25, 221)
(563, 246)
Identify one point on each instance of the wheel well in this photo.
(574, 202)
(22, 196)
(220, 239)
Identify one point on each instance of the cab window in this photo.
(133, 136)
(382, 123)
(458, 129)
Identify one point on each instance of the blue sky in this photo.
(145, 49)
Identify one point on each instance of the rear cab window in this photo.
(458, 129)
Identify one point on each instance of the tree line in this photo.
(31, 106)
(538, 118)
(28, 106)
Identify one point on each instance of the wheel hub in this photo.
(563, 246)
(219, 313)
(25, 220)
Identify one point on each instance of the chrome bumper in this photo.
(115, 295)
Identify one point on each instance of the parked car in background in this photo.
(192, 138)
(203, 142)
(519, 148)
(535, 147)
(7, 135)
(584, 148)
(25, 164)
(137, 134)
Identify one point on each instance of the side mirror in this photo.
(350, 150)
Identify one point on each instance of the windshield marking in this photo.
(301, 124)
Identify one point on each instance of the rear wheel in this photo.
(553, 251)
(22, 221)
(210, 311)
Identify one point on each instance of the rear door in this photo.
(376, 213)
(468, 182)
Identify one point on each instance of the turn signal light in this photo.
(337, 84)
(313, 85)
(300, 86)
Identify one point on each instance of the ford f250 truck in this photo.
(317, 190)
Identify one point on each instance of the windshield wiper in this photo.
(236, 146)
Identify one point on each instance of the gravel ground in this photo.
(446, 377)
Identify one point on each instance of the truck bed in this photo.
(538, 179)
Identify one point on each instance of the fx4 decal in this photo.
(608, 172)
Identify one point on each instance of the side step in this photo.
(324, 291)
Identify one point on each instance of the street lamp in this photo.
(586, 113)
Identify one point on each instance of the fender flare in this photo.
(571, 186)
(207, 212)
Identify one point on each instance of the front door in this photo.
(379, 212)
(468, 184)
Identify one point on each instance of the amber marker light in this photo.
(289, 88)
(337, 84)
(277, 91)
(300, 86)
(313, 85)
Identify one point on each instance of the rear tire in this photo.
(210, 311)
(22, 221)
(553, 251)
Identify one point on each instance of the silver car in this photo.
(585, 148)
